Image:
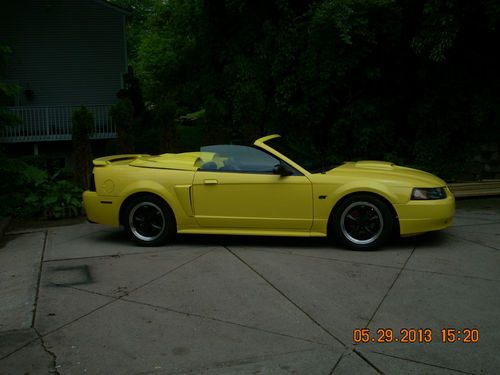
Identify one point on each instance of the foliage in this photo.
(56, 198)
(7, 91)
(139, 10)
(133, 120)
(164, 120)
(82, 124)
(122, 114)
(27, 191)
(353, 79)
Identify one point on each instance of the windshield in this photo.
(307, 157)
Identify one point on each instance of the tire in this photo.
(149, 221)
(362, 222)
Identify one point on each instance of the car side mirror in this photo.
(281, 170)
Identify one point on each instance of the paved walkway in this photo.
(81, 299)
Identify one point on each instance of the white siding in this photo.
(68, 52)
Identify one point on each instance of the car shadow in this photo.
(117, 237)
(432, 239)
(253, 241)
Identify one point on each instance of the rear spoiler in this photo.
(108, 160)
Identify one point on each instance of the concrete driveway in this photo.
(81, 299)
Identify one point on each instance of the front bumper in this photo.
(425, 216)
(101, 210)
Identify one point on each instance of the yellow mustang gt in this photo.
(269, 189)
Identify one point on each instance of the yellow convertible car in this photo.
(269, 189)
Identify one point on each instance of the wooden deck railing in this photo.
(54, 124)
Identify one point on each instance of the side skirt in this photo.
(251, 232)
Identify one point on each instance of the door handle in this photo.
(210, 182)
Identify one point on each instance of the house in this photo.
(65, 54)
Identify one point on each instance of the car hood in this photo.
(389, 172)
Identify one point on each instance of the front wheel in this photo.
(149, 221)
(362, 222)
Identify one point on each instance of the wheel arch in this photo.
(131, 197)
(371, 193)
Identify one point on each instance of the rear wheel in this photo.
(149, 221)
(362, 222)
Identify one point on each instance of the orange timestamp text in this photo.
(415, 335)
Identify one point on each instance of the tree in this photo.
(82, 123)
(140, 11)
(122, 114)
(7, 91)
(405, 80)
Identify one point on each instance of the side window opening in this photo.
(242, 159)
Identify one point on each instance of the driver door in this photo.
(241, 191)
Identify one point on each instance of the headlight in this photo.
(420, 194)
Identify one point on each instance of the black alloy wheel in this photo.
(362, 222)
(149, 221)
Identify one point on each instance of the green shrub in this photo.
(57, 198)
(28, 191)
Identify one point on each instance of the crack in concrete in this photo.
(119, 255)
(188, 314)
(336, 364)
(37, 291)
(470, 241)
(471, 225)
(324, 329)
(17, 233)
(123, 298)
(376, 265)
(423, 363)
(115, 299)
(40, 336)
(468, 217)
(168, 272)
(390, 287)
(79, 318)
(453, 275)
(325, 258)
(19, 348)
(309, 316)
(360, 355)
(54, 365)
